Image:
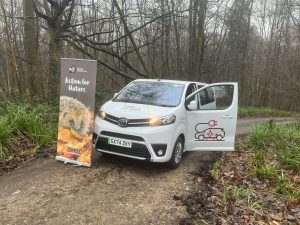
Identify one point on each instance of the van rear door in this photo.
(212, 126)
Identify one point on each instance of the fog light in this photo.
(159, 149)
(160, 152)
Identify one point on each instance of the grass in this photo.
(215, 170)
(241, 192)
(234, 193)
(265, 112)
(277, 157)
(5, 130)
(281, 140)
(225, 194)
(38, 123)
(262, 175)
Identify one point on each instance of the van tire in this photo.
(177, 153)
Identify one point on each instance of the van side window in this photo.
(210, 94)
(191, 88)
(207, 96)
(224, 96)
(219, 97)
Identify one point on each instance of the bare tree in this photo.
(256, 43)
(31, 48)
(57, 15)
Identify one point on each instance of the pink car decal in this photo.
(209, 134)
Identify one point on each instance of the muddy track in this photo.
(115, 191)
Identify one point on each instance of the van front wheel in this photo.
(177, 153)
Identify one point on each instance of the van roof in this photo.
(170, 81)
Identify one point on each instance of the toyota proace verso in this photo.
(158, 120)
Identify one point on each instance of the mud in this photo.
(198, 201)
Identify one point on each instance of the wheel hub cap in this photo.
(178, 152)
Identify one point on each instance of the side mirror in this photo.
(115, 95)
(193, 105)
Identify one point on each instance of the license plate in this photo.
(119, 142)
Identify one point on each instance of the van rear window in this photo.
(152, 93)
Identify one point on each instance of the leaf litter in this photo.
(22, 151)
(227, 190)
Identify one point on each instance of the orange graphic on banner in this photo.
(73, 145)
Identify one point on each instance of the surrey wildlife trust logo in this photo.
(72, 69)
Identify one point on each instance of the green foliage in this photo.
(268, 171)
(238, 192)
(225, 194)
(278, 138)
(36, 122)
(277, 156)
(215, 170)
(232, 193)
(264, 112)
(291, 158)
(5, 130)
(258, 159)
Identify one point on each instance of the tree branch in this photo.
(78, 48)
(37, 12)
(132, 31)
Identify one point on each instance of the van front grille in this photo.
(130, 122)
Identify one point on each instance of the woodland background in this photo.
(253, 42)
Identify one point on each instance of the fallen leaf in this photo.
(277, 217)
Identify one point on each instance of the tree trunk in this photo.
(31, 48)
(55, 51)
(14, 64)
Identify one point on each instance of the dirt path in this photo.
(116, 191)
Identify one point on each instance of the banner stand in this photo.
(75, 163)
(76, 111)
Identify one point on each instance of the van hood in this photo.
(135, 111)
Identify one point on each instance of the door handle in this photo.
(227, 117)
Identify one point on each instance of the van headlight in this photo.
(102, 114)
(160, 121)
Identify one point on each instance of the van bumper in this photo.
(147, 142)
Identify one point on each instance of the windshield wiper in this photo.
(156, 104)
(145, 103)
(128, 101)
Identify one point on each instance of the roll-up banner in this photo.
(76, 111)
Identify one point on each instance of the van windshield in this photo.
(152, 93)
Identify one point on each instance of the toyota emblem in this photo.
(122, 122)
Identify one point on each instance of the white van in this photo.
(158, 120)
